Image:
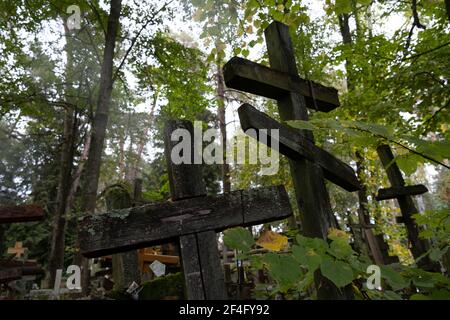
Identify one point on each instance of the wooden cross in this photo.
(10, 274)
(18, 269)
(309, 164)
(403, 195)
(146, 257)
(190, 216)
(18, 250)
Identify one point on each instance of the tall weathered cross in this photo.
(309, 164)
(403, 194)
(191, 216)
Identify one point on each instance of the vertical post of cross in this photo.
(310, 189)
(199, 253)
(126, 264)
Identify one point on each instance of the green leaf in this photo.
(306, 282)
(318, 245)
(408, 163)
(440, 294)
(418, 296)
(394, 278)
(239, 239)
(340, 249)
(284, 269)
(308, 258)
(342, 6)
(391, 295)
(436, 253)
(338, 272)
(374, 128)
(301, 124)
(423, 279)
(256, 261)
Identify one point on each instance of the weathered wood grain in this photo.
(295, 146)
(27, 268)
(125, 264)
(248, 76)
(211, 269)
(140, 227)
(7, 275)
(191, 267)
(185, 180)
(395, 192)
(23, 213)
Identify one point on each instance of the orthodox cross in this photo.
(403, 194)
(309, 164)
(191, 216)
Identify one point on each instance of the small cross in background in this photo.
(18, 250)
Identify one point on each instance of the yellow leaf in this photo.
(272, 241)
(334, 234)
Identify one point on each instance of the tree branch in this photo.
(99, 18)
(426, 52)
(133, 42)
(427, 122)
(416, 15)
(403, 146)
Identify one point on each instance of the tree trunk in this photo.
(121, 157)
(371, 245)
(344, 27)
(56, 258)
(223, 127)
(135, 167)
(77, 175)
(91, 176)
(447, 5)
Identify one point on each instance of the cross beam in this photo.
(8, 275)
(161, 258)
(249, 76)
(11, 270)
(395, 192)
(23, 213)
(154, 224)
(295, 146)
(418, 246)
